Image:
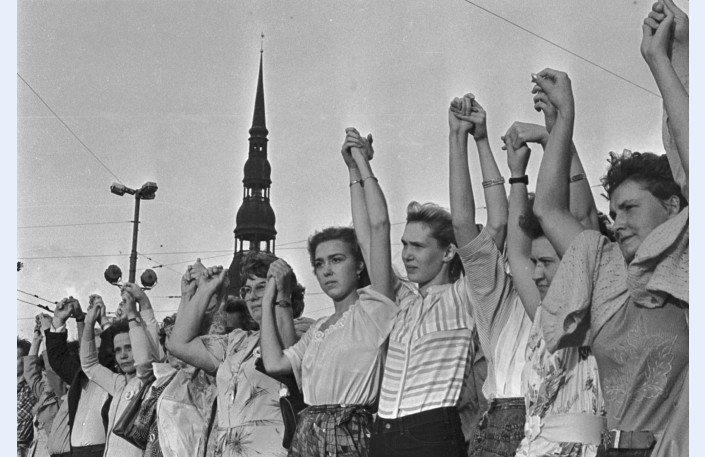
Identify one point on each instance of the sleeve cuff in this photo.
(57, 330)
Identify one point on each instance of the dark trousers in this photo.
(625, 452)
(430, 433)
(95, 450)
(63, 454)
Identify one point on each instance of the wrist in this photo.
(517, 173)
(57, 323)
(481, 138)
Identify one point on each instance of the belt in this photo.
(620, 439)
(573, 428)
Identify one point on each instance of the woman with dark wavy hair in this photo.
(338, 362)
(627, 300)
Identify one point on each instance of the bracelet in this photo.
(520, 180)
(352, 183)
(493, 182)
(370, 177)
(578, 177)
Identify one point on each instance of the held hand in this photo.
(44, 322)
(557, 87)
(520, 133)
(353, 139)
(63, 310)
(93, 314)
(212, 278)
(135, 290)
(542, 104)
(188, 283)
(457, 125)
(656, 36)
(517, 159)
(284, 278)
(472, 114)
(130, 304)
(680, 19)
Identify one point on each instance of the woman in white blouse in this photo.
(338, 362)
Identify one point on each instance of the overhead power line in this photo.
(44, 307)
(563, 48)
(37, 296)
(69, 129)
(73, 225)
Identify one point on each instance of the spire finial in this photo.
(261, 43)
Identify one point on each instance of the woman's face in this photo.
(636, 213)
(252, 292)
(545, 264)
(336, 269)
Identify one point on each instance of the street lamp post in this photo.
(146, 192)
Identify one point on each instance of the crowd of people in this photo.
(549, 330)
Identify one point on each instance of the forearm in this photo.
(34, 348)
(462, 199)
(495, 195)
(284, 318)
(675, 101)
(275, 362)
(33, 375)
(361, 221)
(380, 265)
(89, 361)
(582, 203)
(519, 250)
(189, 317)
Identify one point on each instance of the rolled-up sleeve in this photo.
(489, 287)
(106, 379)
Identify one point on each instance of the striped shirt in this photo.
(503, 326)
(430, 350)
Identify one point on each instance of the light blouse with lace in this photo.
(342, 365)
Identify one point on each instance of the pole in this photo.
(135, 226)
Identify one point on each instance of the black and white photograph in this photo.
(351, 229)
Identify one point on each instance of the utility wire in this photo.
(73, 225)
(37, 296)
(563, 49)
(44, 307)
(69, 128)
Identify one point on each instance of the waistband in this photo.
(63, 454)
(621, 439)
(448, 414)
(331, 409)
(572, 428)
(507, 403)
(88, 451)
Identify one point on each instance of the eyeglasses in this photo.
(256, 292)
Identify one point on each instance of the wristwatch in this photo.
(521, 179)
(135, 319)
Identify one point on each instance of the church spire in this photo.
(259, 125)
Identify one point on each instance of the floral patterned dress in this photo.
(248, 419)
(558, 387)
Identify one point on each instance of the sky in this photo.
(164, 91)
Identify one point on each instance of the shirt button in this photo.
(387, 426)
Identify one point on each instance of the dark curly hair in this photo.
(256, 263)
(528, 222)
(646, 168)
(23, 345)
(441, 225)
(346, 234)
(106, 352)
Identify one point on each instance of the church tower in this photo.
(254, 223)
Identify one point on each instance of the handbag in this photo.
(291, 402)
(133, 425)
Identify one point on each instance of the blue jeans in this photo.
(430, 433)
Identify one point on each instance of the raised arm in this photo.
(277, 321)
(361, 221)
(183, 342)
(143, 352)
(518, 242)
(552, 203)
(658, 31)
(106, 379)
(149, 321)
(64, 364)
(462, 199)
(380, 257)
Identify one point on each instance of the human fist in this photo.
(557, 87)
(94, 313)
(136, 291)
(188, 283)
(210, 279)
(520, 133)
(44, 321)
(64, 309)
